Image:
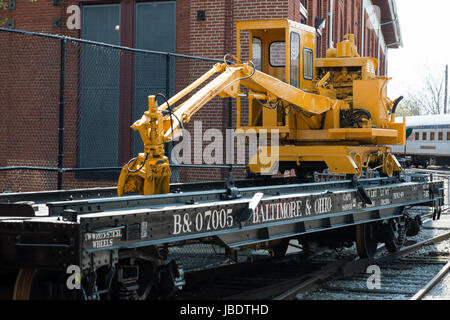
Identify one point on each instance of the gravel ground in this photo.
(442, 290)
(401, 279)
(394, 285)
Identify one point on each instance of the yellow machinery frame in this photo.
(339, 115)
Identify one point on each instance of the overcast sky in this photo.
(425, 28)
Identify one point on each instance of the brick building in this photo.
(191, 27)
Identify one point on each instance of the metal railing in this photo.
(67, 105)
(438, 175)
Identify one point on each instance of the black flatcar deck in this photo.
(89, 232)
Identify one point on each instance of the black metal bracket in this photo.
(57, 22)
(245, 214)
(232, 190)
(70, 215)
(11, 24)
(360, 191)
(437, 211)
(201, 15)
(232, 193)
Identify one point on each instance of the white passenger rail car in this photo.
(428, 143)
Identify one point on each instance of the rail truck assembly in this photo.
(330, 113)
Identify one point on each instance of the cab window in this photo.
(307, 64)
(277, 54)
(295, 59)
(257, 53)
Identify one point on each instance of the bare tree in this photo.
(407, 108)
(431, 97)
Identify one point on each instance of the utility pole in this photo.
(446, 89)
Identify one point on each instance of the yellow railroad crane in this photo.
(331, 112)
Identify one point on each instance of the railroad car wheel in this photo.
(33, 284)
(359, 165)
(22, 287)
(366, 244)
(281, 248)
(387, 165)
(397, 234)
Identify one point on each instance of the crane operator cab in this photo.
(270, 51)
(292, 61)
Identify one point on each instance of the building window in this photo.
(277, 54)
(441, 136)
(307, 63)
(304, 3)
(98, 146)
(417, 136)
(424, 136)
(114, 85)
(431, 135)
(150, 37)
(448, 136)
(303, 11)
(257, 53)
(295, 59)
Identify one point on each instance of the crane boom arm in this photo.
(227, 84)
(149, 172)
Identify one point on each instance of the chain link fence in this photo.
(67, 105)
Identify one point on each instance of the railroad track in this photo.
(326, 276)
(404, 275)
(252, 280)
(433, 282)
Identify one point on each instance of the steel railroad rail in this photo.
(343, 270)
(285, 278)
